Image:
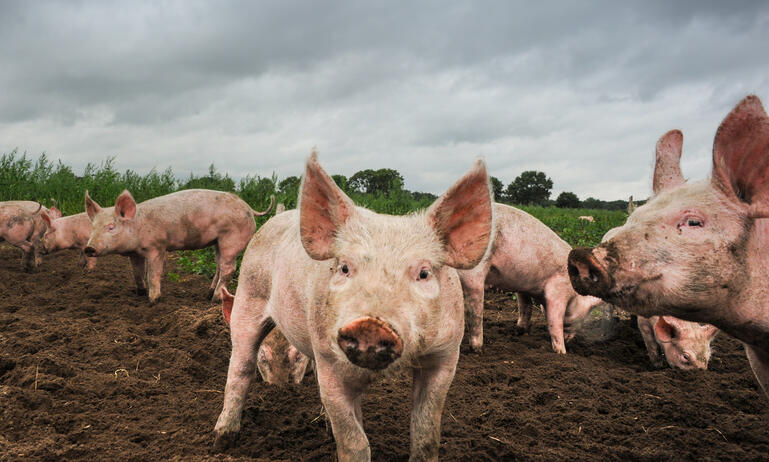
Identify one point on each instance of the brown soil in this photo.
(90, 371)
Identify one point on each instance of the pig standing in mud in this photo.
(278, 361)
(22, 225)
(70, 232)
(529, 258)
(189, 219)
(686, 345)
(363, 294)
(703, 246)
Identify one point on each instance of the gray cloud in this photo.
(578, 90)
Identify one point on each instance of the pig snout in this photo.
(89, 251)
(370, 343)
(587, 274)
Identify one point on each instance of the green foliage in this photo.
(497, 188)
(567, 200)
(382, 181)
(530, 188)
(578, 233)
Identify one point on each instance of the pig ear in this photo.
(667, 166)
(741, 156)
(47, 219)
(710, 331)
(323, 209)
(227, 301)
(462, 218)
(664, 330)
(125, 205)
(91, 206)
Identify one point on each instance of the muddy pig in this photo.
(278, 361)
(529, 258)
(70, 232)
(189, 219)
(686, 345)
(363, 294)
(22, 225)
(697, 251)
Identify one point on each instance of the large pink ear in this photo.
(667, 166)
(125, 205)
(47, 219)
(462, 218)
(741, 156)
(664, 330)
(91, 206)
(227, 301)
(323, 209)
(710, 331)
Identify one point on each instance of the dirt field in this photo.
(89, 371)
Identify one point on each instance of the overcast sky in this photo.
(580, 90)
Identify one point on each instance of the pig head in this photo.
(697, 251)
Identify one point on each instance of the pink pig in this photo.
(529, 258)
(697, 251)
(70, 232)
(278, 361)
(364, 295)
(189, 219)
(22, 225)
(686, 344)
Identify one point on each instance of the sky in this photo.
(580, 90)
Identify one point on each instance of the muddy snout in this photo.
(89, 251)
(587, 274)
(370, 343)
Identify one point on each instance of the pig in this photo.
(22, 225)
(189, 219)
(586, 218)
(704, 245)
(529, 258)
(70, 232)
(686, 345)
(278, 361)
(364, 295)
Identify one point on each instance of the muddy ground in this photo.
(90, 371)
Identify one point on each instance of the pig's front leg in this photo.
(138, 265)
(556, 298)
(429, 389)
(343, 407)
(248, 327)
(759, 362)
(154, 264)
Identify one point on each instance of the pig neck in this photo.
(748, 316)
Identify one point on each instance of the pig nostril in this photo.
(385, 344)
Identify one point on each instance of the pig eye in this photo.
(686, 358)
(344, 269)
(423, 273)
(693, 222)
(111, 227)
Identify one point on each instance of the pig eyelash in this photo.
(692, 222)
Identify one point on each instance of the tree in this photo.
(380, 181)
(567, 200)
(497, 188)
(340, 181)
(530, 187)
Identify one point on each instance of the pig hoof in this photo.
(519, 330)
(224, 440)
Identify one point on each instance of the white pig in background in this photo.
(697, 251)
(529, 258)
(363, 294)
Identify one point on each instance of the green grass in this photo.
(21, 178)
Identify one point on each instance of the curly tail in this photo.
(269, 209)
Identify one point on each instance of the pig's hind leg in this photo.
(249, 325)
(138, 265)
(212, 291)
(473, 285)
(759, 362)
(228, 254)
